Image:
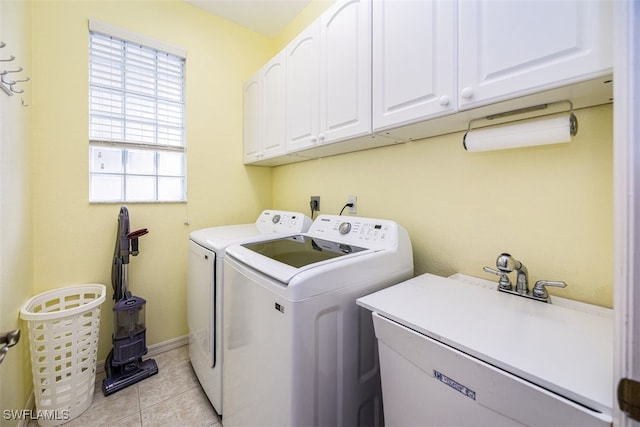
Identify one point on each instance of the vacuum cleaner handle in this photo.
(133, 236)
(126, 244)
(137, 233)
(123, 235)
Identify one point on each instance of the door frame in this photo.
(626, 172)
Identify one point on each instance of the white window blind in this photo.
(136, 122)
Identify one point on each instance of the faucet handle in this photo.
(540, 290)
(504, 282)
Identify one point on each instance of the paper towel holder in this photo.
(573, 121)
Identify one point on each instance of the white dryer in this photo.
(298, 350)
(205, 294)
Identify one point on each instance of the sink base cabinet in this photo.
(427, 383)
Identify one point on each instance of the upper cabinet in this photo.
(273, 107)
(508, 49)
(369, 73)
(414, 56)
(264, 112)
(303, 89)
(437, 64)
(251, 125)
(345, 70)
(329, 78)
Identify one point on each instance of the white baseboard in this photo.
(168, 345)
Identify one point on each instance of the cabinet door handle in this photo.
(467, 93)
(444, 100)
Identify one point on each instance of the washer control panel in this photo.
(272, 221)
(355, 230)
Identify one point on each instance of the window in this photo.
(136, 120)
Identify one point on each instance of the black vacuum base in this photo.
(124, 376)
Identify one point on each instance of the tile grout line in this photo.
(139, 406)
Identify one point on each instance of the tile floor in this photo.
(172, 397)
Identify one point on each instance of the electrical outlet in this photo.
(315, 203)
(353, 209)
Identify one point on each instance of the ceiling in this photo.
(267, 17)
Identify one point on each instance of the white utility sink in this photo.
(563, 349)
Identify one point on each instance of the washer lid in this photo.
(285, 257)
(299, 251)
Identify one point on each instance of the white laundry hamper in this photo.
(63, 339)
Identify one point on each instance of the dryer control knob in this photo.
(275, 219)
(344, 228)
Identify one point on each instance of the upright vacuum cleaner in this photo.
(124, 365)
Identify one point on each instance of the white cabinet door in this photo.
(272, 109)
(303, 89)
(414, 61)
(512, 48)
(251, 128)
(264, 112)
(345, 77)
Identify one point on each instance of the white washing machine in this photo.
(459, 353)
(298, 350)
(204, 288)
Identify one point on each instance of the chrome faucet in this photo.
(506, 264)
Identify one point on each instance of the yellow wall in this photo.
(74, 240)
(551, 207)
(16, 260)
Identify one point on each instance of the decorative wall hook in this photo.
(18, 81)
(10, 82)
(19, 70)
(22, 80)
(7, 84)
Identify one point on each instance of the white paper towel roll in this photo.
(539, 132)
